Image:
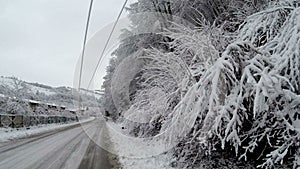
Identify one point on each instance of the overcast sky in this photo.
(41, 40)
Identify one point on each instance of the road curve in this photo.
(69, 148)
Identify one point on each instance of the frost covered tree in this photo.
(248, 99)
(230, 81)
(139, 37)
(15, 106)
(107, 101)
(18, 88)
(16, 91)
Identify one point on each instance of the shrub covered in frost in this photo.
(249, 98)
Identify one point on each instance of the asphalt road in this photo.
(70, 148)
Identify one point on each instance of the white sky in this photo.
(41, 40)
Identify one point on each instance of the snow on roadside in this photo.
(128, 152)
(8, 134)
(158, 162)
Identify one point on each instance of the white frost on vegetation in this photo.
(252, 81)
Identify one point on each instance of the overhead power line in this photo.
(82, 54)
(84, 43)
(106, 44)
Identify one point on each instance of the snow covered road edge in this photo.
(37, 130)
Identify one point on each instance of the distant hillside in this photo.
(63, 96)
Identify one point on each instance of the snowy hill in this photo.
(63, 96)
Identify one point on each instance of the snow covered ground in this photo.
(7, 134)
(35, 89)
(137, 153)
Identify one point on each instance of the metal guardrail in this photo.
(20, 121)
